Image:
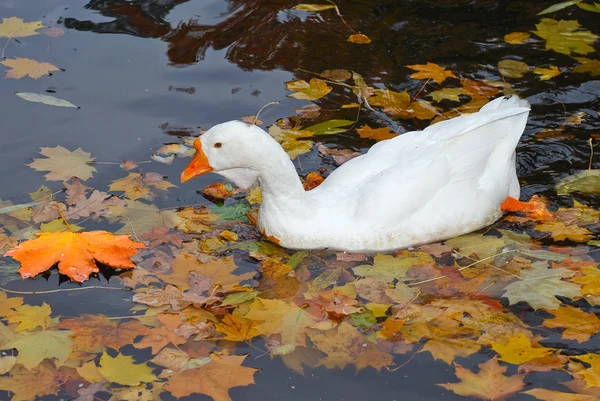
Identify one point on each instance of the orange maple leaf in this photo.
(75, 253)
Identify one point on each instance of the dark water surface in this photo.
(145, 70)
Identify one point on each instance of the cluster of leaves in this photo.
(195, 299)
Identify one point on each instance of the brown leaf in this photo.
(236, 329)
(160, 337)
(578, 325)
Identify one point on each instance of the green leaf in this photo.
(237, 298)
(233, 212)
(558, 6)
(363, 319)
(590, 7)
(296, 258)
(329, 127)
(586, 182)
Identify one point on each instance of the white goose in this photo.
(419, 187)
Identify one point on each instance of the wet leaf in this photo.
(316, 89)
(578, 325)
(7, 363)
(161, 336)
(561, 232)
(218, 271)
(590, 7)
(21, 67)
(516, 38)
(591, 375)
(14, 27)
(586, 182)
(329, 127)
(46, 379)
(452, 94)
(547, 73)
(45, 99)
(290, 140)
(64, 164)
(122, 370)
(213, 379)
(558, 6)
(563, 37)
(399, 104)
(388, 268)
(590, 280)
(489, 383)
(378, 134)
(313, 7)
(513, 68)
(136, 186)
(431, 71)
(140, 218)
(551, 395)
(539, 287)
(337, 75)
(236, 329)
(519, 349)
(75, 253)
(359, 38)
(34, 347)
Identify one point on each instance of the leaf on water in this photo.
(290, 140)
(551, 395)
(558, 6)
(589, 66)
(122, 370)
(45, 99)
(591, 375)
(34, 347)
(21, 67)
(75, 253)
(378, 134)
(313, 7)
(561, 232)
(316, 89)
(8, 305)
(337, 75)
(547, 73)
(237, 330)
(431, 71)
(539, 287)
(14, 27)
(586, 182)
(7, 363)
(218, 271)
(563, 37)
(140, 218)
(590, 279)
(329, 127)
(388, 268)
(214, 379)
(161, 336)
(359, 38)
(29, 317)
(590, 7)
(519, 349)
(64, 164)
(513, 68)
(516, 38)
(579, 325)
(399, 104)
(43, 380)
(137, 186)
(489, 383)
(452, 94)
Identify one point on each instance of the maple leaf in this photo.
(489, 383)
(140, 218)
(138, 393)
(586, 182)
(137, 186)
(63, 164)
(236, 329)
(218, 271)
(578, 325)
(388, 268)
(563, 37)
(378, 134)
(539, 287)
(547, 73)
(431, 71)
(316, 89)
(560, 232)
(399, 104)
(14, 27)
(7, 363)
(94, 333)
(21, 67)
(75, 253)
(345, 345)
(45, 377)
(279, 317)
(34, 347)
(122, 370)
(590, 280)
(591, 375)
(446, 93)
(213, 379)
(516, 38)
(290, 140)
(160, 337)
(8, 305)
(313, 7)
(518, 350)
(447, 343)
(30, 317)
(155, 297)
(551, 395)
(592, 67)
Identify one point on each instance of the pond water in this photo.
(145, 73)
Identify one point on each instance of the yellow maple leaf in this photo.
(431, 71)
(512, 68)
(14, 27)
(547, 73)
(290, 140)
(399, 104)
(564, 37)
(29, 317)
(591, 375)
(578, 325)
(516, 38)
(218, 271)
(519, 349)
(8, 305)
(137, 186)
(24, 66)
(235, 329)
(551, 395)
(122, 370)
(313, 7)
(378, 134)
(560, 232)
(590, 280)
(359, 38)
(316, 89)
(75, 253)
(63, 164)
(592, 67)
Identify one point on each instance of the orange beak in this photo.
(199, 164)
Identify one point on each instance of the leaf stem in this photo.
(94, 287)
(63, 217)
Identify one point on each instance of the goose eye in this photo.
(218, 145)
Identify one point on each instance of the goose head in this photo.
(235, 150)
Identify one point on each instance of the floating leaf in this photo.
(431, 71)
(513, 68)
(551, 395)
(446, 93)
(237, 330)
(14, 27)
(589, 66)
(34, 347)
(578, 325)
(41, 381)
(29, 317)
(329, 127)
(290, 140)
(359, 38)
(313, 7)
(75, 253)
(64, 164)
(519, 349)
(45, 99)
(563, 37)
(586, 182)
(122, 370)
(21, 67)
(558, 6)
(399, 104)
(316, 89)
(590, 7)
(516, 38)
(378, 134)
(547, 73)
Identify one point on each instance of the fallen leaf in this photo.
(519, 350)
(45, 99)
(558, 6)
(312, 180)
(237, 330)
(29, 317)
(378, 134)
(586, 182)
(452, 94)
(539, 287)
(213, 379)
(140, 218)
(136, 185)
(591, 375)
(21, 67)
(316, 89)
(561, 232)
(290, 140)
(399, 104)
(337, 75)
(590, 280)
(63, 164)
(359, 38)
(217, 190)
(564, 37)
(547, 73)
(14, 27)
(512, 68)
(122, 370)
(75, 253)
(489, 383)
(388, 268)
(578, 325)
(589, 66)
(431, 71)
(218, 271)
(516, 38)
(313, 7)
(7, 363)
(34, 347)
(46, 380)
(8, 305)
(576, 118)
(552, 395)
(590, 7)
(160, 337)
